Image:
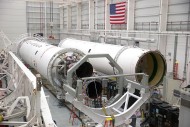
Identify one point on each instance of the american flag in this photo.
(117, 13)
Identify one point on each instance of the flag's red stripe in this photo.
(123, 22)
(120, 16)
(120, 3)
(117, 16)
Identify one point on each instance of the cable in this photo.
(96, 89)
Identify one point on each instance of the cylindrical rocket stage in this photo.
(132, 60)
(52, 62)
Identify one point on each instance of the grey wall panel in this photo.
(146, 11)
(177, 1)
(12, 4)
(11, 25)
(85, 15)
(73, 17)
(64, 17)
(11, 11)
(178, 8)
(152, 18)
(13, 17)
(99, 14)
(178, 15)
(146, 3)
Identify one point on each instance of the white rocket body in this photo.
(50, 61)
(38, 55)
(131, 60)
